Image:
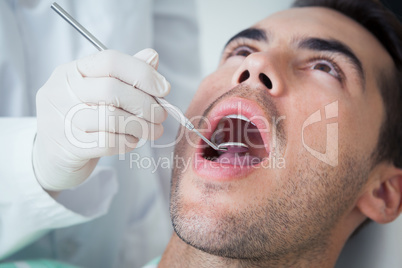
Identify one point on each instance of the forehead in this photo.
(285, 26)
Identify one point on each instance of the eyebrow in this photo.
(335, 46)
(250, 33)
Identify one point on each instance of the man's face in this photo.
(303, 173)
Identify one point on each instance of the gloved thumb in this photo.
(149, 56)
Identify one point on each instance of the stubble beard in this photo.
(298, 222)
(294, 220)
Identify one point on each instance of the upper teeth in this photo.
(239, 116)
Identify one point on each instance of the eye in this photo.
(239, 47)
(326, 67)
(242, 51)
(322, 67)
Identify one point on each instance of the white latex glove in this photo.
(96, 106)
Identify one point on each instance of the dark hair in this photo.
(384, 25)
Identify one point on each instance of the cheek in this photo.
(311, 112)
(359, 126)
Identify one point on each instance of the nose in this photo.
(257, 71)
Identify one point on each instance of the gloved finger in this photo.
(121, 144)
(98, 144)
(126, 68)
(149, 56)
(56, 174)
(111, 91)
(76, 174)
(114, 120)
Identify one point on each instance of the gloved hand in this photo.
(96, 106)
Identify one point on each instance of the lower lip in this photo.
(216, 171)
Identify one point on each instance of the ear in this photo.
(382, 198)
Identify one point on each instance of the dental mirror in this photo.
(233, 147)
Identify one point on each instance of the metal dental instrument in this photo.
(171, 109)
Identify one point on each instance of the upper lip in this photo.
(239, 106)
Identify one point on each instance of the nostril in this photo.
(244, 76)
(265, 80)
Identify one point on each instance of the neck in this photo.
(180, 254)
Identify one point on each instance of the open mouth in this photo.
(233, 130)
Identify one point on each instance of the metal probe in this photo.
(171, 109)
